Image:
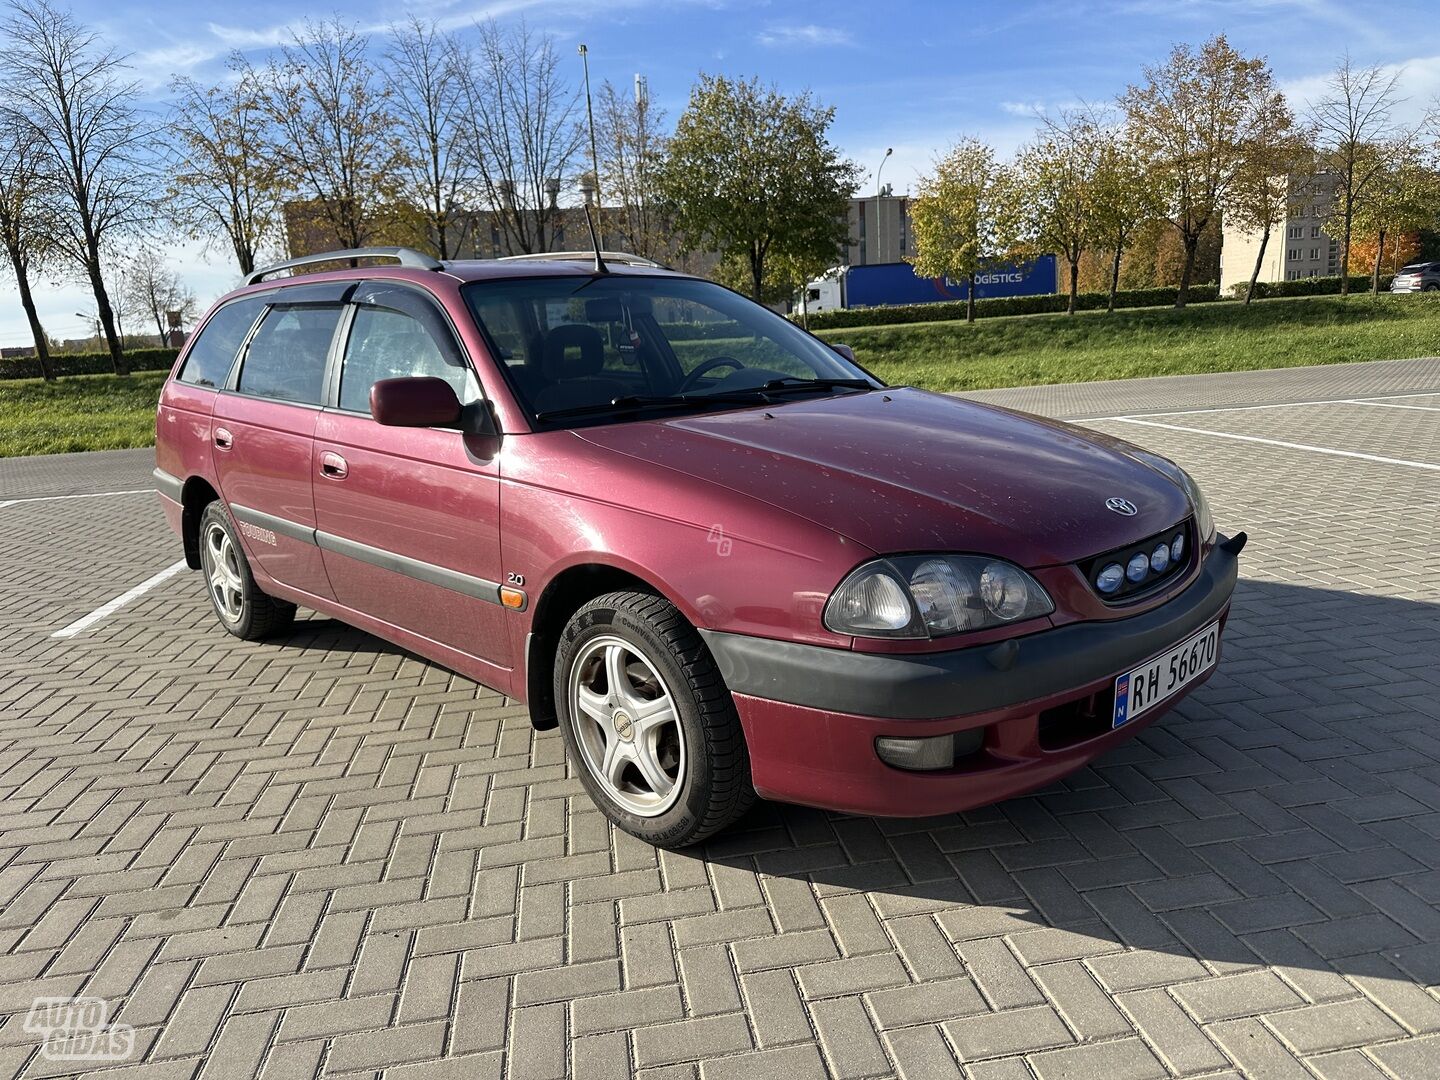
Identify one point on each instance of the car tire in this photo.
(1432, 287)
(630, 653)
(239, 604)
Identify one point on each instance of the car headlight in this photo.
(920, 596)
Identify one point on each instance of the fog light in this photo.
(1138, 567)
(1110, 578)
(921, 755)
(1160, 558)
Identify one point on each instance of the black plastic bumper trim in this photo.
(172, 487)
(929, 686)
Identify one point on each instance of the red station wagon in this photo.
(719, 555)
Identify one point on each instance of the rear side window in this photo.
(213, 351)
(389, 344)
(286, 357)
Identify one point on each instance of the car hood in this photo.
(906, 471)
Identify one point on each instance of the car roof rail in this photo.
(409, 257)
(624, 258)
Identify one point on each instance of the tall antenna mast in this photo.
(590, 116)
(600, 267)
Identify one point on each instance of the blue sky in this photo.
(904, 73)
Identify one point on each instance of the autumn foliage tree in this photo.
(70, 94)
(224, 178)
(1049, 196)
(1192, 117)
(957, 216)
(752, 174)
(339, 144)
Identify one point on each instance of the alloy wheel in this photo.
(626, 725)
(222, 571)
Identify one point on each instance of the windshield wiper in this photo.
(629, 402)
(794, 382)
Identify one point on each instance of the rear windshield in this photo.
(1415, 268)
(570, 345)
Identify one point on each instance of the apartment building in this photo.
(1301, 248)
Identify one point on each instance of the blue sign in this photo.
(897, 283)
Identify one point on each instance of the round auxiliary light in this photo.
(1110, 578)
(1138, 567)
(1177, 547)
(1160, 558)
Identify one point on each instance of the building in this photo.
(1301, 249)
(880, 229)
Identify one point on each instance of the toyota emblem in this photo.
(1124, 507)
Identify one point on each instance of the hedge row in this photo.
(1004, 305)
(28, 367)
(1314, 286)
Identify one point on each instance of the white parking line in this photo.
(1279, 442)
(1376, 400)
(84, 623)
(88, 495)
(1394, 404)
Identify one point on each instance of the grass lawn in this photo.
(80, 412)
(103, 412)
(1029, 349)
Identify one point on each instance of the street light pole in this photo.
(878, 242)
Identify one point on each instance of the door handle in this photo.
(333, 466)
(223, 439)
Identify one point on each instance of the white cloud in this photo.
(807, 35)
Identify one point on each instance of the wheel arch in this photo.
(563, 595)
(194, 497)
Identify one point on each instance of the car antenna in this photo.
(600, 267)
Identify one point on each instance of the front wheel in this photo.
(648, 722)
(239, 604)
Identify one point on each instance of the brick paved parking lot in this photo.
(323, 856)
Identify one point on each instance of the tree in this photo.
(1123, 197)
(224, 176)
(70, 93)
(633, 144)
(1358, 140)
(153, 290)
(24, 224)
(1192, 118)
(1049, 193)
(339, 146)
(429, 103)
(753, 175)
(956, 217)
(1405, 199)
(523, 135)
(1275, 167)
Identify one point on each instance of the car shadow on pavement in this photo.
(1287, 814)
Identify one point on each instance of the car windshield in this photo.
(1415, 268)
(604, 349)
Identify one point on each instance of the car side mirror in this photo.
(417, 401)
(846, 351)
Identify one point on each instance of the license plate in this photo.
(1138, 691)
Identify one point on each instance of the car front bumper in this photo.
(811, 715)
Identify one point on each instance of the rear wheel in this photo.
(239, 604)
(1433, 287)
(648, 722)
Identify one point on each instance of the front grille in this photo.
(1152, 581)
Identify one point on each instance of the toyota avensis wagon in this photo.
(722, 557)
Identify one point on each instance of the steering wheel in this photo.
(693, 379)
